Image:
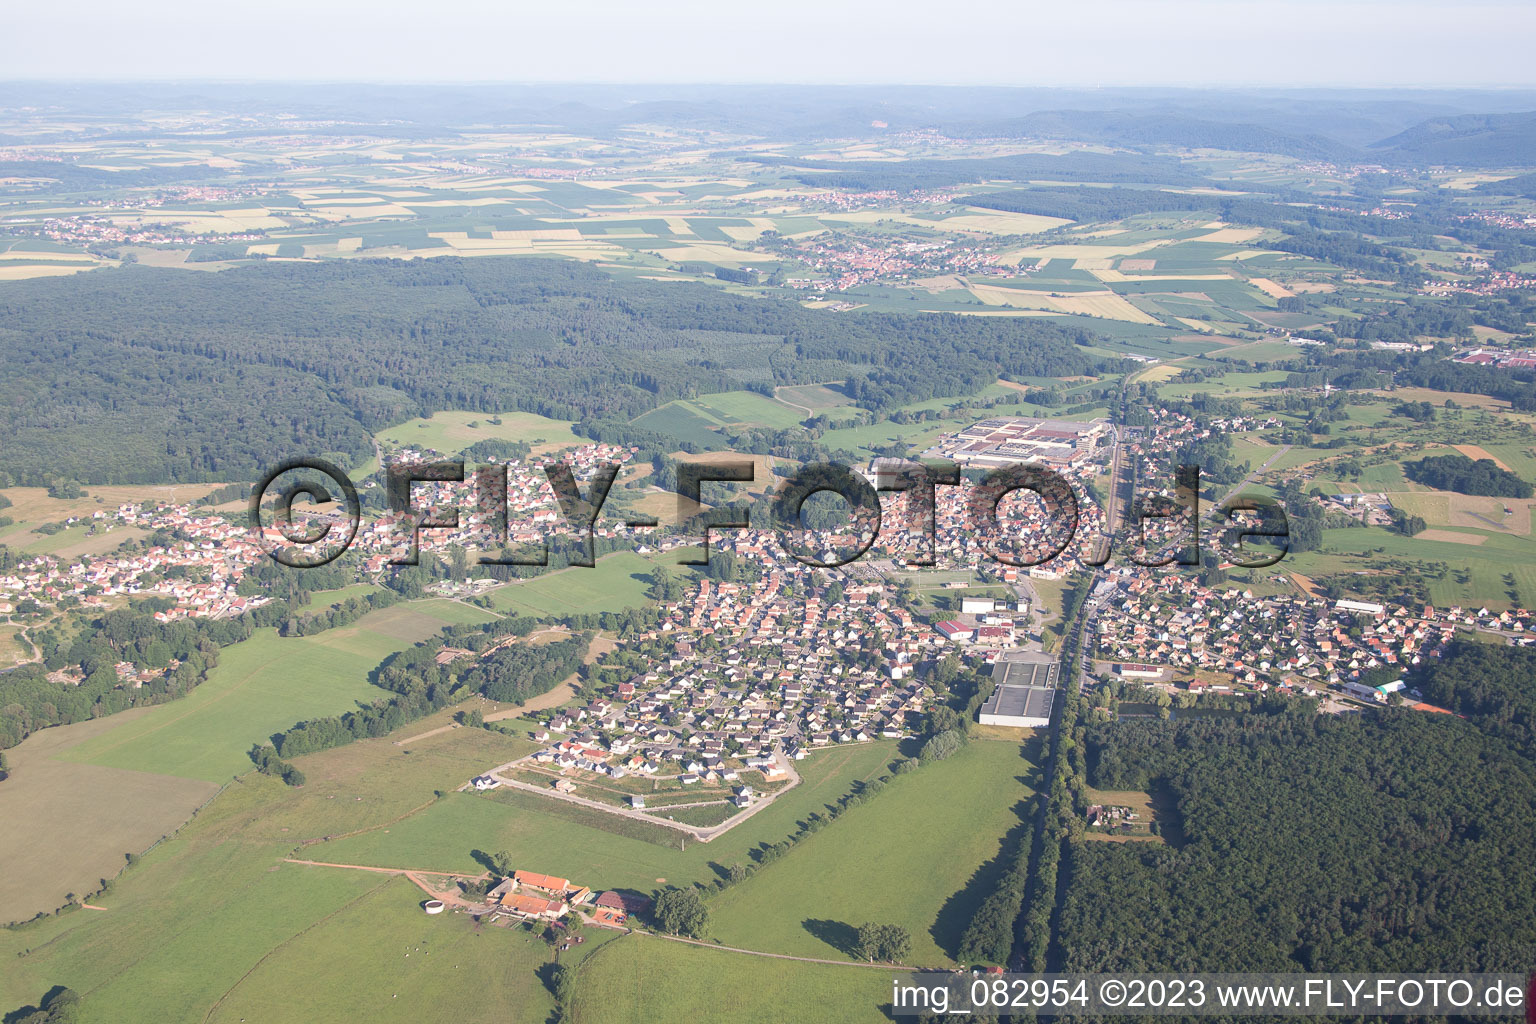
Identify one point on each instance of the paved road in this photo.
(703, 835)
(1245, 481)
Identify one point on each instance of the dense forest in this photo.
(1466, 476)
(1397, 841)
(1494, 687)
(213, 376)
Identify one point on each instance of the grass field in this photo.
(450, 432)
(77, 541)
(641, 979)
(1475, 573)
(320, 600)
(353, 966)
(260, 686)
(818, 398)
(13, 649)
(874, 865)
(686, 424)
(69, 825)
(32, 507)
(1243, 384)
(223, 906)
(617, 582)
(545, 835)
(739, 408)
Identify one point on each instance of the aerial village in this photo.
(805, 657)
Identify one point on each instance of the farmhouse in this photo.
(544, 883)
(528, 905)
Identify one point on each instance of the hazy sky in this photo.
(998, 42)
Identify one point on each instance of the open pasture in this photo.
(818, 398)
(744, 408)
(1475, 573)
(451, 432)
(260, 686)
(872, 865)
(354, 965)
(643, 979)
(617, 582)
(227, 863)
(68, 825)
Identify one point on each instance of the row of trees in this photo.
(268, 763)
(513, 673)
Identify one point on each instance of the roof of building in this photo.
(1032, 672)
(1020, 702)
(522, 903)
(539, 881)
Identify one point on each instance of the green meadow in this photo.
(1476, 570)
(261, 686)
(922, 854)
(642, 979)
(454, 430)
(618, 581)
(234, 922)
(381, 958)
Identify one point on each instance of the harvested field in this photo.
(1271, 288)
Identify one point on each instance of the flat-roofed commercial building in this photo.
(1025, 693)
(1019, 707)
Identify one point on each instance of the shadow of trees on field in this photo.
(956, 914)
(839, 935)
(58, 1002)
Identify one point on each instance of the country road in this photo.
(702, 834)
(1245, 481)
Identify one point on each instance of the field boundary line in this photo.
(307, 843)
(275, 949)
(779, 956)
